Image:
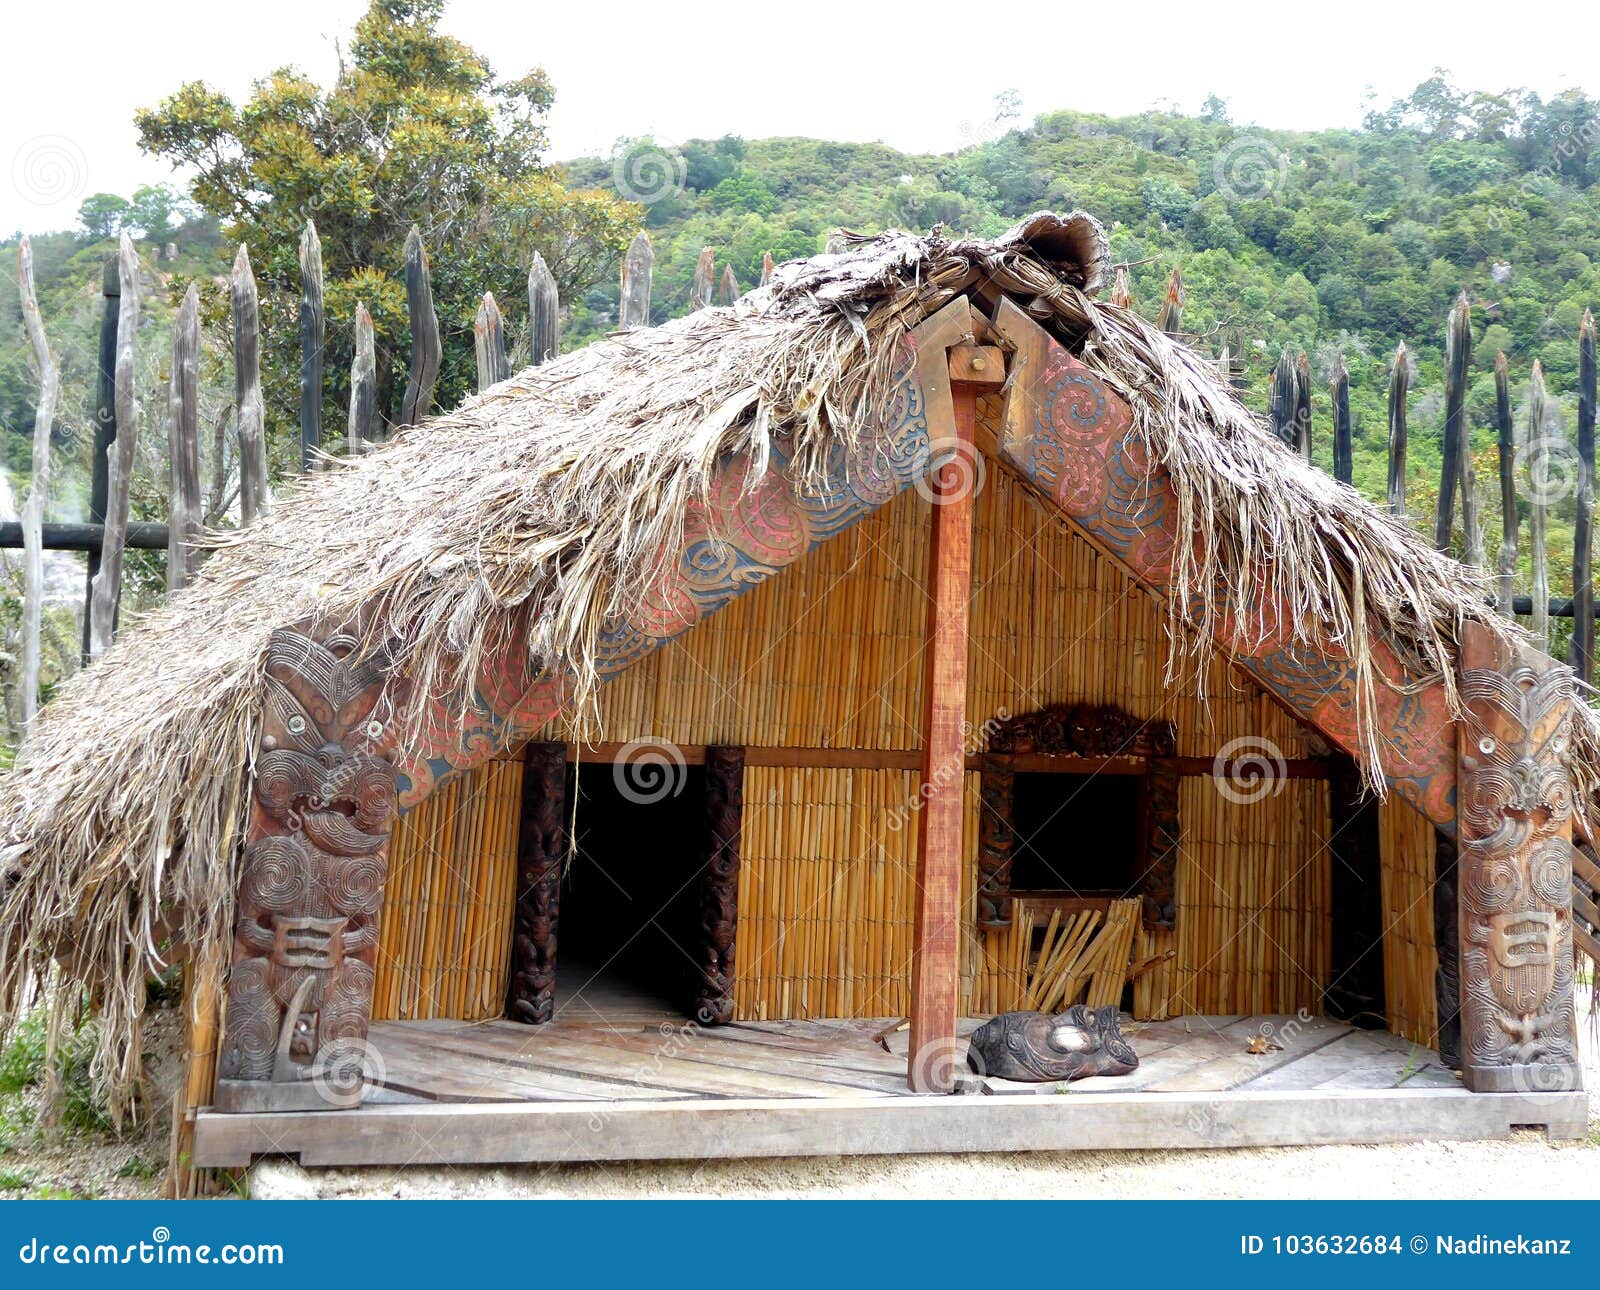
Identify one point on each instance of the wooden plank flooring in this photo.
(634, 1081)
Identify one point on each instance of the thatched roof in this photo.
(548, 504)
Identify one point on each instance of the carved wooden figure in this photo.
(541, 846)
(311, 889)
(1515, 871)
(719, 885)
(1039, 1047)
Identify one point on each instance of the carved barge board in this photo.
(719, 885)
(311, 885)
(745, 536)
(541, 848)
(1515, 869)
(1073, 440)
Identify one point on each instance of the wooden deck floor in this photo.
(636, 1083)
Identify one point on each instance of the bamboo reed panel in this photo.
(1410, 953)
(445, 941)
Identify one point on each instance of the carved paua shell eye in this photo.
(1486, 746)
(374, 729)
(296, 724)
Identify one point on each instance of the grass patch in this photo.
(22, 1067)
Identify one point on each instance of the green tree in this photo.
(102, 214)
(416, 130)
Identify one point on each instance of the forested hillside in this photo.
(1336, 242)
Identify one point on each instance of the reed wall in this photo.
(829, 656)
(1410, 954)
(445, 940)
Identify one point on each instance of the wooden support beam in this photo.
(935, 966)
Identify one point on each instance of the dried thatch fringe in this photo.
(549, 503)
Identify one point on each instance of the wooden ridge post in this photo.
(705, 276)
(941, 851)
(489, 343)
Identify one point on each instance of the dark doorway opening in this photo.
(1078, 835)
(630, 893)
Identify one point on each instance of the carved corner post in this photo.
(541, 845)
(1514, 829)
(719, 885)
(311, 887)
(997, 839)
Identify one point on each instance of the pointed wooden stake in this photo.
(363, 383)
(1583, 523)
(1505, 585)
(728, 288)
(1399, 383)
(489, 344)
(44, 415)
(705, 277)
(311, 345)
(183, 438)
(633, 310)
(544, 313)
(426, 351)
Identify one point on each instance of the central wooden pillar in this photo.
(935, 964)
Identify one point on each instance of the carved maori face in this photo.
(1037, 1047)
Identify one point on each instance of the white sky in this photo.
(922, 80)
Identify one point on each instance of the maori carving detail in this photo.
(997, 839)
(1039, 1047)
(1080, 730)
(311, 886)
(719, 885)
(1514, 866)
(1447, 936)
(541, 845)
